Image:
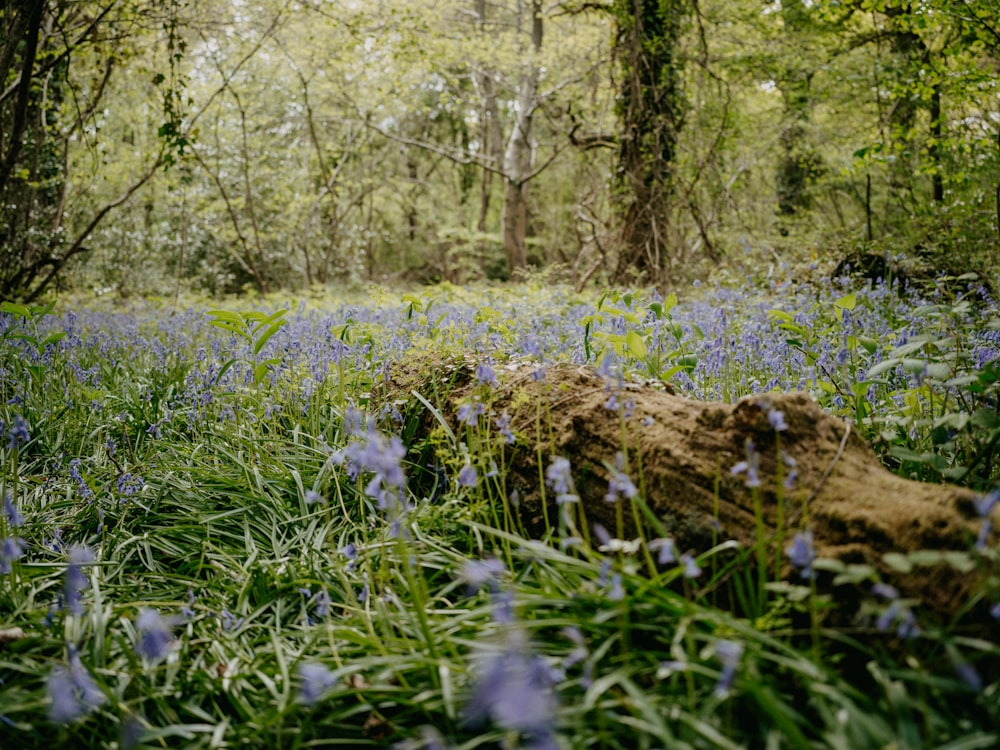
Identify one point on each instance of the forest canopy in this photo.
(150, 147)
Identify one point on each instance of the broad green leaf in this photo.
(636, 344)
(847, 302)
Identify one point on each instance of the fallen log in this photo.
(681, 454)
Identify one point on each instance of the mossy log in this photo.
(680, 452)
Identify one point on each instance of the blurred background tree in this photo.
(157, 147)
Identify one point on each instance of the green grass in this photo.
(203, 464)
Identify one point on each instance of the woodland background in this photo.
(150, 148)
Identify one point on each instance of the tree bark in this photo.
(518, 155)
(651, 110)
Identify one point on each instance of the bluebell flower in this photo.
(751, 466)
(793, 472)
(691, 569)
(72, 692)
(14, 517)
(469, 413)
(729, 653)
(229, 620)
(323, 602)
(316, 681)
(995, 611)
(801, 553)
(619, 484)
(188, 610)
(503, 607)
(468, 476)
(503, 425)
(76, 579)
(558, 477)
(888, 617)
(312, 497)
(665, 549)
(11, 550)
(777, 420)
(617, 591)
(17, 433)
(485, 373)
(152, 635)
(885, 591)
(985, 504)
(514, 689)
(479, 573)
(383, 458)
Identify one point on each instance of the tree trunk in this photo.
(651, 110)
(797, 163)
(518, 155)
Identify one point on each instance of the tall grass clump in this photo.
(217, 530)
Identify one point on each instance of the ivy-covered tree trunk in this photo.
(651, 107)
(799, 162)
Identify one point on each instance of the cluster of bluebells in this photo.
(896, 613)
(371, 451)
(73, 693)
(514, 687)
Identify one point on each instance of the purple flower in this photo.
(729, 653)
(777, 420)
(885, 591)
(468, 476)
(617, 592)
(750, 466)
(152, 635)
(503, 424)
(514, 689)
(985, 504)
(469, 413)
(14, 517)
(479, 573)
(383, 458)
(76, 579)
(691, 569)
(229, 620)
(188, 610)
(667, 551)
(11, 549)
(485, 373)
(620, 485)
(558, 477)
(312, 497)
(801, 552)
(18, 433)
(72, 692)
(316, 682)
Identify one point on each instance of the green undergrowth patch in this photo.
(217, 532)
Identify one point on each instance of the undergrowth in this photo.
(214, 533)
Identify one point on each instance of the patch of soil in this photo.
(681, 452)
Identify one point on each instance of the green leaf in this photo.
(898, 562)
(847, 302)
(15, 309)
(636, 344)
(263, 338)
